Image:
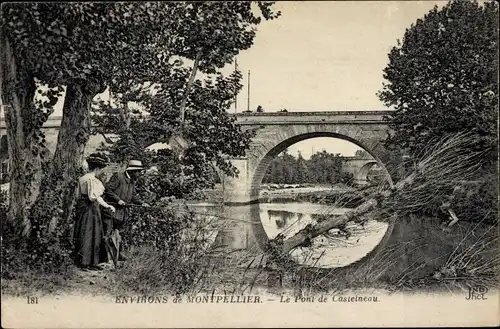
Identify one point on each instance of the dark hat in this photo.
(98, 159)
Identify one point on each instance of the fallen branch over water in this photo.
(447, 164)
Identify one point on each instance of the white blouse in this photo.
(91, 186)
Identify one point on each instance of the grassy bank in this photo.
(420, 255)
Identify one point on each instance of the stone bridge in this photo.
(359, 167)
(276, 131)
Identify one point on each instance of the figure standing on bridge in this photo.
(120, 191)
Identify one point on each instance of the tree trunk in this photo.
(68, 157)
(125, 114)
(17, 91)
(308, 233)
(188, 87)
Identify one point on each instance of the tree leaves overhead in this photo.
(215, 32)
(90, 43)
(219, 30)
(122, 45)
(127, 47)
(442, 77)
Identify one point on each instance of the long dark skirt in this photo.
(88, 234)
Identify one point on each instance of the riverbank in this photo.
(421, 256)
(339, 194)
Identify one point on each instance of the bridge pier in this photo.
(237, 190)
(243, 230)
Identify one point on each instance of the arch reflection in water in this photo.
(252, 225)
(333, 249)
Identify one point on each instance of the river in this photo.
(249, 225)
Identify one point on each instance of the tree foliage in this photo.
(443, 77)
(79, 50)
(214, 33)
(83, 46)
(321, 168)
(211, 129)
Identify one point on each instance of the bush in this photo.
(167, 248)
(160, 226)
(27, 268)
(421, 251)
(476, 201)
(40, 251)
(479, 202)
(47, 255)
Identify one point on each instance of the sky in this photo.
(323, 55)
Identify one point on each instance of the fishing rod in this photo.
(131, 205)
(192, 212)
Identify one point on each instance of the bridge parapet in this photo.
(375, 116)
(276, 118)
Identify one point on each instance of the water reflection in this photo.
(336, 248)
(251, 225)
(283, 218)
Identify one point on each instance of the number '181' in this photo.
(32, 300)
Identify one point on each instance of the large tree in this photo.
(213, 34)
(80, 46)
(443, 77)
(88, 47)
(208, 125)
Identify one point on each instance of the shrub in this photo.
(480, 201)
(167, 248)
(422, 253)
(41, 265)
(36, 247)
(159, 226)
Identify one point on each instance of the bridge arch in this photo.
(266, 153)
(362, 173)
(272, 138)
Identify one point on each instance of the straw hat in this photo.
(134, 165)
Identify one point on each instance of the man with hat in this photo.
(120, 192)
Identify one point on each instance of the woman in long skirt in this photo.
(88, 234)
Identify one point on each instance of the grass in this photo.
(420, 255)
